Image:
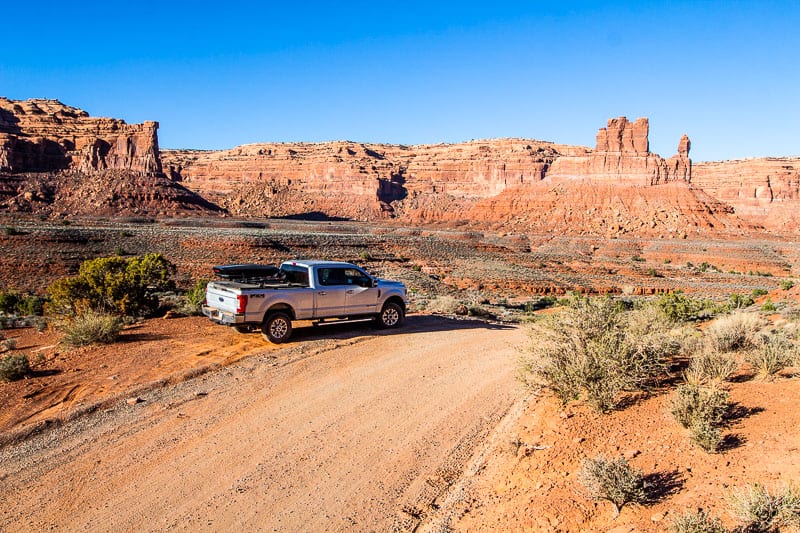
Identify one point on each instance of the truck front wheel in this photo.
(391, 315)
(277, 328)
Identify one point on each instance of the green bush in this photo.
(697, 522)
(759, 292)
(14, 303)
(597, 349)
(787, 284)
(678, 307)
(758, 509)
(740, 301)
(124, 286)
(613, 480)
(91, 327)
(14, 366)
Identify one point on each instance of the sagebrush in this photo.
(597, 350)
(701, 410)
(613, 480)
(736, 331)
(14, 366)
(696, 522)
(759, 509)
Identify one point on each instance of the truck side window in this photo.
(331, 276)
(356, 277)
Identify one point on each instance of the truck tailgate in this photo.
(223, 298)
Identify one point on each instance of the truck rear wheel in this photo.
(391, 316)
(277, 328)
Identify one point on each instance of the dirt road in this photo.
(365, 433)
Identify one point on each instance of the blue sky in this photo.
(216, 75)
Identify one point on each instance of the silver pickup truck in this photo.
(305, 290)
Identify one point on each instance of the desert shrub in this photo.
(8, 344)
(696, 522)
(701, 411)
(759, 292)
(14, 366)
(768, 306)
(758, 509)
(787, 284)
(16, 304)
(613, 480)
(192, 302)
(708, 365)
(119, 285)
(734, 332)
(91, 327)
(598, 350)
(678, 307)
(740, 301)
(775, 352)
(447, 305)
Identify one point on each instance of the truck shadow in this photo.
(304, 331)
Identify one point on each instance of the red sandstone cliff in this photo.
(765, 190)
(46, 135)
(56, 159)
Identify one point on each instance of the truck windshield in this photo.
(295, 274)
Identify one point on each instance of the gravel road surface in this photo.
(364, 433)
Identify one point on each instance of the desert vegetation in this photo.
(606, 352)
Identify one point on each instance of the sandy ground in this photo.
(346, 429)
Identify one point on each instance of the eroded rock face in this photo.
(353, 180)
(46, 135)
(623, 155)
(765, 190)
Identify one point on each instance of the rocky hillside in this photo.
(56, 160)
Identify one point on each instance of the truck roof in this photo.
(317, 262)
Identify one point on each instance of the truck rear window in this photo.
(296, 274)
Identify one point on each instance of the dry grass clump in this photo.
(759, 510)
(775, 352)
(736, 331)
(91, 327)
(613, 480)
(596, 349)
(696, 522)
(710, 366)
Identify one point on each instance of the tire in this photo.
(391, 316)
(277, 328)
(243, 328)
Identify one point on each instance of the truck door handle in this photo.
(322, 293)
(350, 291)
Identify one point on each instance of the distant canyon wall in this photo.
(55, 159)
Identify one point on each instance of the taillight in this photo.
(241, 303)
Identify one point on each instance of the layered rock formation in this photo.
(764, 190)
(361, 181)
(57, 160)
(623, 155)
(46, 135)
